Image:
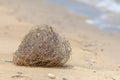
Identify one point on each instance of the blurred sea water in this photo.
(103, 13)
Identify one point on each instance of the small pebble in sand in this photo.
(20, 73)
(64, 79)
(51, 76)
(102, 50)
(19, 77)
(94, 71)
(113, 78)
(118, 66)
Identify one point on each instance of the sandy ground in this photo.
(95, 53)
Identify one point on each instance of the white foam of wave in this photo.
(109, 20)
(103, 5)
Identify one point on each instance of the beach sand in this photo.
(95, 53)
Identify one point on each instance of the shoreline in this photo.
(95, 53)
(104, 16)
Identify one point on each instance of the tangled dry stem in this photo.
(42, 46)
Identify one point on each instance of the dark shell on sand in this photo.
(42, 46)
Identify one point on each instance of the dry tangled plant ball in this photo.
(42, 46)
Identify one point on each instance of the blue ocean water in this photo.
(103, 13)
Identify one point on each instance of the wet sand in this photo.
(95, 53)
